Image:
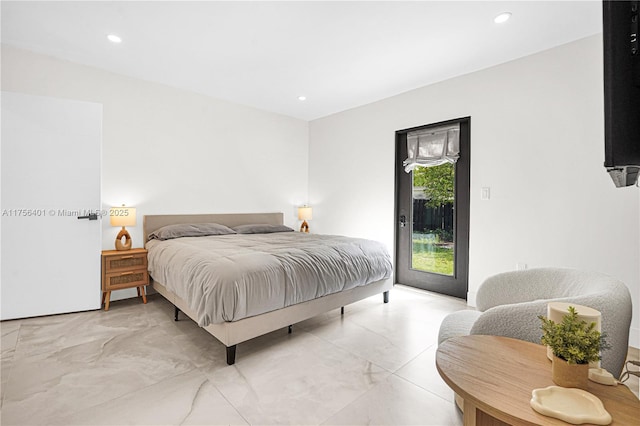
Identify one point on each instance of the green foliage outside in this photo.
(431, 256)
(573, 339)
(431, 251)
(438, 183)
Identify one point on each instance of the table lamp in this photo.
(123, 216)
(305, 213)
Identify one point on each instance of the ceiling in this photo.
(338, 54)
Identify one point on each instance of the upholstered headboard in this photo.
(154, 222)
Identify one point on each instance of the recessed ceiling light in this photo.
(503, 17)
(114, 38)
(302, 98)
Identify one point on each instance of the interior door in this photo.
(51, 151)
(432, 218)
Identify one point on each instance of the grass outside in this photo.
(429, 255)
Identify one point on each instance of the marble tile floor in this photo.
(134, 365)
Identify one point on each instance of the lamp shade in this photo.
(122, 216)
(305, 213)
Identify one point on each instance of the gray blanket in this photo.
(230, 277)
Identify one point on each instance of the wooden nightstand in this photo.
(124, 269)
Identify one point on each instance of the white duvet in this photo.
(230, 277)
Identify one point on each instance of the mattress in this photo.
(229, 277)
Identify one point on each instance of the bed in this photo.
(227, 312)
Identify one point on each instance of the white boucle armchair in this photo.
(508, 304)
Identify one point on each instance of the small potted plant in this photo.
(574, 344)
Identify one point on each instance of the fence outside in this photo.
(427, 219)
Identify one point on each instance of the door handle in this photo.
(403, 221)
(90, 216)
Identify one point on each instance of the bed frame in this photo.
(232, 333)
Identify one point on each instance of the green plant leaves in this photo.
(573, 339)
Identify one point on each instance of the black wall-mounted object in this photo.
(621, 91)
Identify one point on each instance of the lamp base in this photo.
(304, 227)
(127, 240)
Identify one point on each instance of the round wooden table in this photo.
(495, 376)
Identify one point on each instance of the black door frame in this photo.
(458, 284)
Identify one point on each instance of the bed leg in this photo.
(385, 296)
(342, 310)
(231, 354)
(290, 329)
(175, 313)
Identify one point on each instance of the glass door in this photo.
(432, 216)
(432, 225)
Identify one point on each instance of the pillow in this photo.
(261, 228)
(189, 230)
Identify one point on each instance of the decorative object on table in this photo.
(123, 216)
(574, 406)
(602, 376)
(555, 312)
(305, 213)
(575, 343)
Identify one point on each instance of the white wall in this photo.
(536, 141)
(171, 151)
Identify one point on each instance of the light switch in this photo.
(485, 193)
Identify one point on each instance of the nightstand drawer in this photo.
(125, 262)
(120, 280)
